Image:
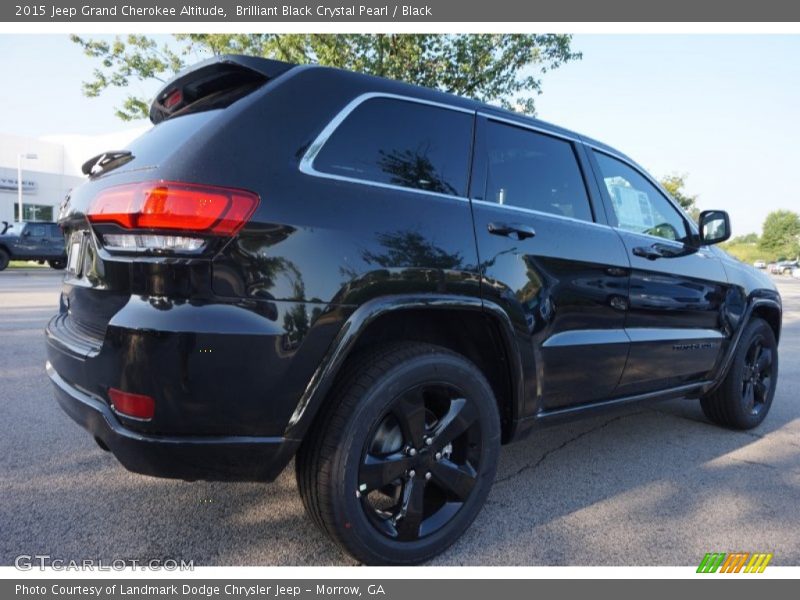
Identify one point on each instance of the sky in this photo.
(722, 109)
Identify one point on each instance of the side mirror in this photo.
(715, 226)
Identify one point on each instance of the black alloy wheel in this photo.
(400, 462)
(757, 376)
(743, 398)
(421, 462)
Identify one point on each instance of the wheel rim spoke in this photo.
(763, 360)
(412, 509)
(456, 479)
(761, 389)
(379, 471)
(410, 415)
(459, 418)
(749, 394)
(754, 353)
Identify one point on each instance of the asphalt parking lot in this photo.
(656, 485)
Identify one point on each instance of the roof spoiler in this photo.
(214, 75)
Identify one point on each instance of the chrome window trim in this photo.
(652, 181)
(307, 162)
(530, 126)
(540, 213)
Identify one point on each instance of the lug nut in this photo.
(428, 441)
(438, 456)
(412, 451)
(428, 475)
(412, 473)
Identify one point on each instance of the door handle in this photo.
(650, 253)
(517, 230)
(659, 251)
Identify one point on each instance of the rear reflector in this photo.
(134, 242)
(169, 205)
(136, 406)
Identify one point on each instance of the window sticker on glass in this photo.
(631, 205)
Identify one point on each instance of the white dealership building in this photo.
(51, 167)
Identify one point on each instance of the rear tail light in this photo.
(188, 210)
(136, 406)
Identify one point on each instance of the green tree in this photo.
(674, 184)
(781, 234)
(504, 69)
(749, 238)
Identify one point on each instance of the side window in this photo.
(55, 231)
(534, 171)
(638, 205)
(38, 231)
(401, 143)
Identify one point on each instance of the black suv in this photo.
(387, 283)
(39, 241)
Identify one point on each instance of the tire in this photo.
(359, 479)
(3, 259)
(57, 263)
(744, 397)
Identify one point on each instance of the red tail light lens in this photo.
(137, 406)
(169, 205)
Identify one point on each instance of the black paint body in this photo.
(240, 345)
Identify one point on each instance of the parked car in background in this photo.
(40, 241)
(760, 264)
(783, 267)
(387, 283)
(796, 272)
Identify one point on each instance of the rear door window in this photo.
(402, 143)
(534, 171)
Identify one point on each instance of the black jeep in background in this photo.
(39, 241)
(387, 283)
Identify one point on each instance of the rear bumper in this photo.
(215, 458)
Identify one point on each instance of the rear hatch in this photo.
(134, 228)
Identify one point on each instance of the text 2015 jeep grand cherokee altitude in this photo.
(385, 282)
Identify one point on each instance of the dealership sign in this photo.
(11, 184)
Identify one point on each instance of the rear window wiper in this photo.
(105, 161)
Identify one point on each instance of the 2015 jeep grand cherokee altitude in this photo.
(387, 283)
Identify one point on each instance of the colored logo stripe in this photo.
(711, 562)
(734, 562)
(758, 563)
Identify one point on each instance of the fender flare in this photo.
(754, 301)
(323, 378)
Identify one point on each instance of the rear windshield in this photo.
(158, 143)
